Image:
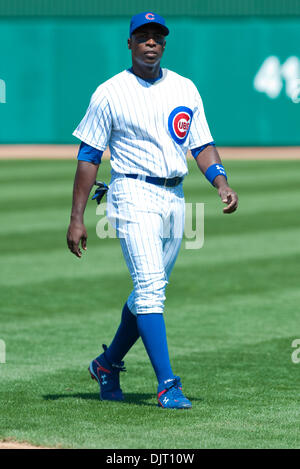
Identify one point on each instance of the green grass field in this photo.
(232, 312)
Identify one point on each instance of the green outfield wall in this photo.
(166, 7)
(246, 69)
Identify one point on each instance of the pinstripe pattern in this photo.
(131, 116)
(150, 223)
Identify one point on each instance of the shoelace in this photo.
(175, 390)
(117, 367)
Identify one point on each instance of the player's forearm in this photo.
(208, 157)
(84, 179)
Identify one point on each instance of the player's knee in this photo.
(151, 298)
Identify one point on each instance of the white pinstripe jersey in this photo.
(148, 126)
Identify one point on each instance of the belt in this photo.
(171, 182)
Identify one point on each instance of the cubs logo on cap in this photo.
(145, 18)
(150, 16)
(179, 123)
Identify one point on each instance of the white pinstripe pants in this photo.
(149, 220)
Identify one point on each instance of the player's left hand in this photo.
(229, 197)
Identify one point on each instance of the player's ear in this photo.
(129, 42)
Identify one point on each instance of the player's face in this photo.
(147, 45)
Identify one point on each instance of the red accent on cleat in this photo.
(101, 368)
(161, 393)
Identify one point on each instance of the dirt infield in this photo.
(70, 152)
(9, 444)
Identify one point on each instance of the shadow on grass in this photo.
(130, 398)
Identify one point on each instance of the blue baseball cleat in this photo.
(107, 375)
(170, 395)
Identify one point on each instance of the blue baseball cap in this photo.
(146, 18)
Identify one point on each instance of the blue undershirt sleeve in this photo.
(90, 154)
(195, 152)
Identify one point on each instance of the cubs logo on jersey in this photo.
(179, 123)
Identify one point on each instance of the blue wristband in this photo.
(213, 171)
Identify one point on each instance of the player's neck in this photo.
(148, 72)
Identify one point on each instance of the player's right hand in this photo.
(77, 233)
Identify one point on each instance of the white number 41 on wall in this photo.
(271, 76)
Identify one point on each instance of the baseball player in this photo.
(149, 117)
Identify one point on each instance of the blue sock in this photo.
(126, 336)
(153, 332)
